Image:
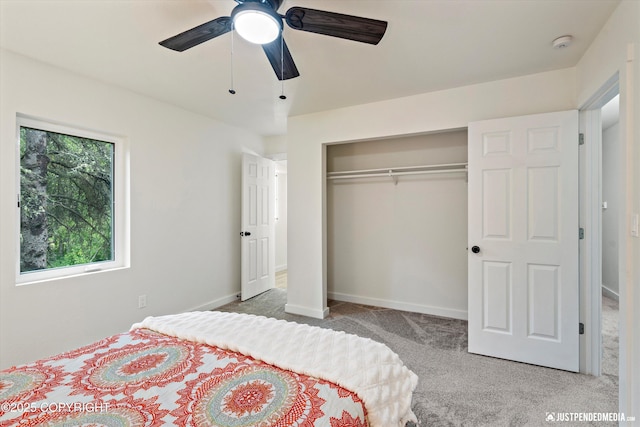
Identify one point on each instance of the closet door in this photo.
(523, 239)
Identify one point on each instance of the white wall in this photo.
(617, 50)
(611, 195)
(185, 213)
(435, 111)
(399, 246)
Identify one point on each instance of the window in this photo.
(70, 184)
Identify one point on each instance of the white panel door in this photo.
(523, 239)
(258, 226)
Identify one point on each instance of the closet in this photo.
(397, 223)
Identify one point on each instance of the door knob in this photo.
(245, 233)
(475, 249)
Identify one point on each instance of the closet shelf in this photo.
(399, 171)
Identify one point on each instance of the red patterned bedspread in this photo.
(143, 378)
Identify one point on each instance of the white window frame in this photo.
(121, 230)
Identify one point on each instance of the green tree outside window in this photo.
(66, 200)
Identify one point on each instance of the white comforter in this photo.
(368, 368)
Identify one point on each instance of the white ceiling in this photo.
(429, 45)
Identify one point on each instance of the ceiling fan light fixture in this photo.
(258, 21)
(256, 24)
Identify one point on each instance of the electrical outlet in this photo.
(142, 301)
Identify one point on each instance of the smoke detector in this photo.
(562, 42)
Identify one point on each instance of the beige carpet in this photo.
(457, 388)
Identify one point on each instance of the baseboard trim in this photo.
(211, 305)
(306, 311)
(281, 268)
(610, 293)
(398, 305)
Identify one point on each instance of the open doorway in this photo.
(602, 205)
(281, 224)
(610, 237)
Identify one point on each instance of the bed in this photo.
(214, 369)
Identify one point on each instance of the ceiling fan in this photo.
(259, 22)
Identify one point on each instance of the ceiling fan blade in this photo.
(199, 34)
(280, 57)
(333, 24)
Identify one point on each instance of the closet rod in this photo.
(400, 171)
(444, 167)
(392, 174)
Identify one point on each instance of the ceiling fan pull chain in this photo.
(232, 91)
(282, 96)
